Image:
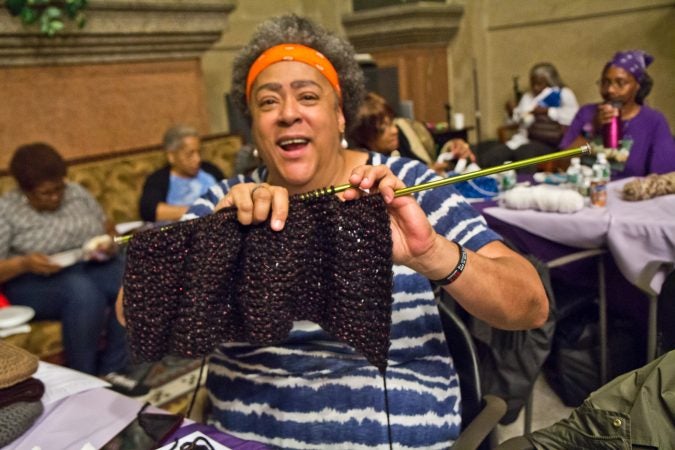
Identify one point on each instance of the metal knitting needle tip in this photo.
(121, 240)
(584, 149)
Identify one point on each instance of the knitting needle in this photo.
(584, 149)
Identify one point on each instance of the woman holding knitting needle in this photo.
(300, 86)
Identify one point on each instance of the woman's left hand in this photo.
(412, 234)
(100, 248)
(460, 149)
(540, 110)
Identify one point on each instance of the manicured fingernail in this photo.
(277, 224)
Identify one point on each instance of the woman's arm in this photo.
(36, 263)
(662, 148)
(564, 114)
(574, 135)
(12, 267)
(497, 285)
(524, 107)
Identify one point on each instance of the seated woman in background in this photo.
(377, 129)
(169, 191)
(624, 85)
(541, 116)
(47, 215)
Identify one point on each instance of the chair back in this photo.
(464, 356)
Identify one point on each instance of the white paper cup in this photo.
(458, 121)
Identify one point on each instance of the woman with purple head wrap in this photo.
(645, 133)
(634, 62)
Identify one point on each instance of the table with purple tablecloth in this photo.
(638, 235)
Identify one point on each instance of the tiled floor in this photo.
(547, 409)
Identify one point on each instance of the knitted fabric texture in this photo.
(211, 280)
(16, 364)
(16, 419)
(651, 186)
(29, 390)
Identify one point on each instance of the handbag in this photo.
(545, 130)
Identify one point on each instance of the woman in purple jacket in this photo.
(644, 131)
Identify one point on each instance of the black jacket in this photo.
(156, 188)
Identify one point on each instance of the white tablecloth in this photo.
(640, 235)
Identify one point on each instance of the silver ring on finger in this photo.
(255, 189)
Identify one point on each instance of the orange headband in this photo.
(293, 52)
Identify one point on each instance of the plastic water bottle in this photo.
(601, 169)
(574, 172)
(601, 176)
(508, 179)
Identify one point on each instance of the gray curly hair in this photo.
(293, 29)
(173, 137)
(548, 72)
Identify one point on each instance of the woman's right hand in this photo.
(39, 264)
(256, 202)
(605, 113)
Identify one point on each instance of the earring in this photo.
(344, 143)
(255, 153)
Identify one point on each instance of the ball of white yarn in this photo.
(520, 197)
(570, 201)
(543, 198)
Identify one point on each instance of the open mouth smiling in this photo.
(292, 143)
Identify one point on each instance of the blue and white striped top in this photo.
(312, 392)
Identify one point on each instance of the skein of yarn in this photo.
(651, 186)
(543, 198)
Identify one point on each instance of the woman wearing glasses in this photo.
(44, 224)
(644, 132)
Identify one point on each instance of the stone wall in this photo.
(118, 83)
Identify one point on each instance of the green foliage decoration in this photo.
(50, 14)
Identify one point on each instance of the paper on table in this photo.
(190, 438)
(80, 421)
(62, 382)
(125, 227)
(66, 258)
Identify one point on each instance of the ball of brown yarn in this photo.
(16, 364)
(651, 186)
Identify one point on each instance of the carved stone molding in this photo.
(422, 23)
(120, 31)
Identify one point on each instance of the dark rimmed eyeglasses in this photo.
(619, 83)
